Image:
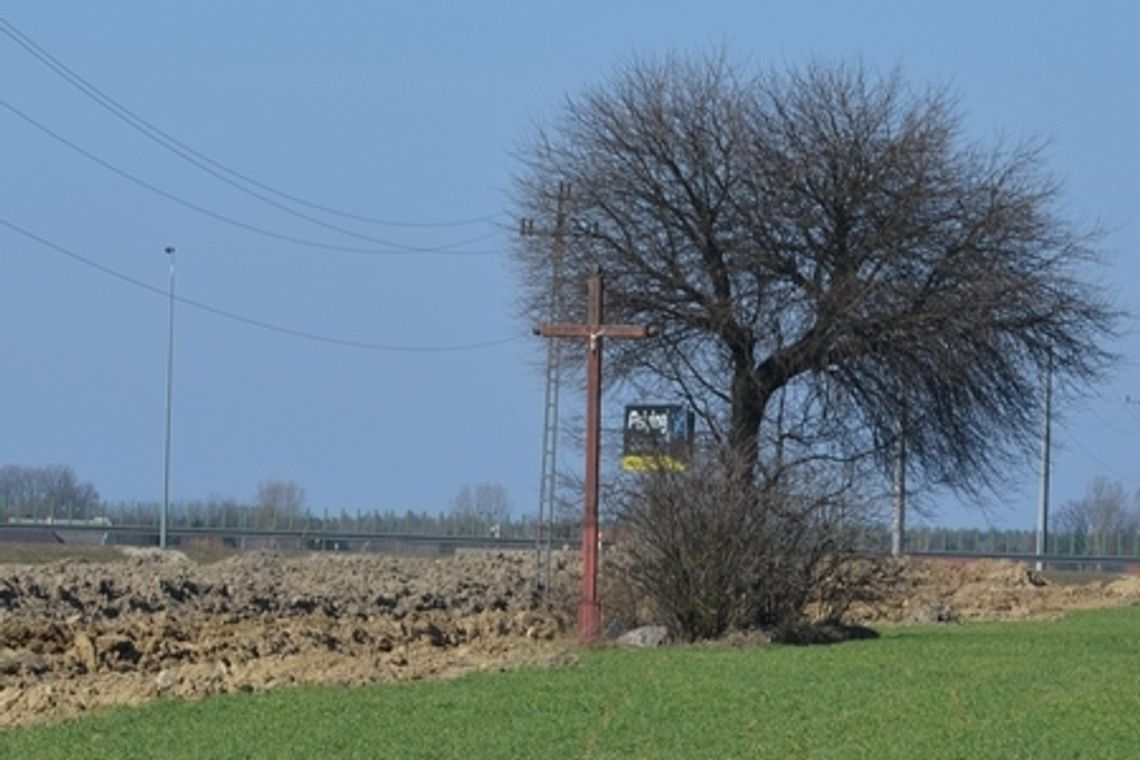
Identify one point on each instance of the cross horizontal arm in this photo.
(561, 330)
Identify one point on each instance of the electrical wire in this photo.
(207, 164)
(1129, 402)
(1106, 425)
(401, 251)
(249, 321)
(1070, 438)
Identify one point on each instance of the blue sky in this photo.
(409, 112)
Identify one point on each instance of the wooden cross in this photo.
(594, 330)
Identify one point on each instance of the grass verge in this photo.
(1064, 688)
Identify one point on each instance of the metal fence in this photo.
(238, 526)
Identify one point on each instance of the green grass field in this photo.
(1057, 689)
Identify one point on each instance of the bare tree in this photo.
(482, 507)
(824, 252)
(493, 502)
(53, 491)
(279, 503)
(1102, 517)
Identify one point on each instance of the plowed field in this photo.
(77, 634)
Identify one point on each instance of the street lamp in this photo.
(169, 391)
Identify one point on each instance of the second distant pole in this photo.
(169, 399)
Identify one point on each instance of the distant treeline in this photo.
(1103, 524)
(1079, 543)
(51, 491)
(1072, 542)
(231, 515)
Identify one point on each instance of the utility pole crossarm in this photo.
(595, 331)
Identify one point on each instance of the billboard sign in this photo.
(656, 437)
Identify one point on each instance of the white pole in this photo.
(169, 397)
(1043, 492)
(898, 529)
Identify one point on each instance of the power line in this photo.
(204, 162)
(250, 321)
(1129, 402)
(1070, 438)
(450, 250)
(1106, 425)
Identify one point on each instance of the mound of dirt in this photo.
(77, 635)
(939, 591)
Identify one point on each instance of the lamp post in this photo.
(1046, 442)
(169, 393)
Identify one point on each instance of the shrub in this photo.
(716, 551)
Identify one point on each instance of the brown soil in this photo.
(77, 635)
(941, 591)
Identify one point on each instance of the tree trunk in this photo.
(747, 412)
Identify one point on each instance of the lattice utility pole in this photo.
(594, 330)
(548, 479)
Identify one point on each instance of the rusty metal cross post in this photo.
(594, 330)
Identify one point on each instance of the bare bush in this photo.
(716, 552)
